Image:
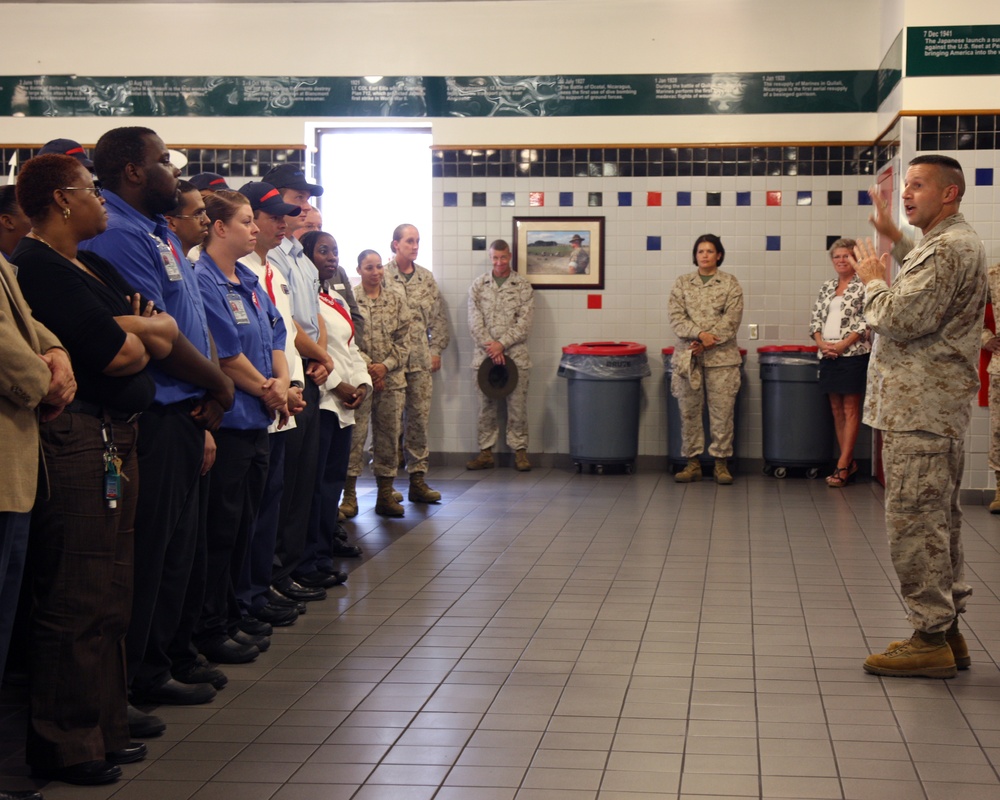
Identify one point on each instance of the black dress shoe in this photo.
(201, 672)
(226, 651)
(173, 693)
(278, 616)
(296, 591)
(276, 598)
(30, 794)
(321, 580)
(89, 773)
(345, 549)
(144, 726)
(136, 751)
(255, 626)
(262, 643)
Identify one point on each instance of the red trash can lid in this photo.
(605, 349)
(788, 348)
(669, 351)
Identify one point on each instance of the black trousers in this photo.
(334, 453)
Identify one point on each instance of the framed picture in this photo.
(560, 252)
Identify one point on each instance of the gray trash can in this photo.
(675, 458)
(604, 394)
(795, 416)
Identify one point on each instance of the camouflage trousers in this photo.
(923, 520)
(416, 415)
(719, 387)
(488, 430)
(383, 410)
(994, 452)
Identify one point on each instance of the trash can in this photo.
(675, 458)
(604, 394)
(795, 416)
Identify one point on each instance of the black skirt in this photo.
(844, 375)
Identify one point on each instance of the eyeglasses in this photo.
(96, 189)
(199, 215)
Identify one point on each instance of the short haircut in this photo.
(223, 205)
(843, 241)
(951, 170)
(8, 199)
(183, 187)
(713, 240)
(309, 241)
(364, 254)
(115, 150)
(499, 244)
(40, 177)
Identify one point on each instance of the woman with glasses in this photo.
(80, 554)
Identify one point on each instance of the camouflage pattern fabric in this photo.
(488, 427)
(416, 413)
(716, 307)
(719, 387)
(383, 410)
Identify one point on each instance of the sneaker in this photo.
(914, 658)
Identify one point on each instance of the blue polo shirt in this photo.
(303, 282)
(150, 258)
(242, 319)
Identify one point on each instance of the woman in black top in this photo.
(79, 569)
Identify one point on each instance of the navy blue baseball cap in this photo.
(67, 147)
(211, 181)
(265, 197)
(291, 176)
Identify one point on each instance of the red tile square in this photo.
(774, 198)
(594, 300)
(654, 198)
(536, 199)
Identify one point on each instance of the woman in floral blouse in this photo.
(838, 327)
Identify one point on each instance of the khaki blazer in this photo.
(24, 381)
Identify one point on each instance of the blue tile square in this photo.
(450, 199)
(804, 198)
(863, 198)
(654, 243)
(624, 198)
(479, 198)
(743, 198)
(565, 198)
(506, 198)
(984, 176)
(773, 242)
(684, 198)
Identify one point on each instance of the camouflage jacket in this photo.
(386, 337)
(923, 371)
(429, 334)
(716, 307)
(502, 314)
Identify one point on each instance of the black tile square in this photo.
(713, 198)
(478, 242)
(479, 199)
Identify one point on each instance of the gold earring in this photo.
(65, 213)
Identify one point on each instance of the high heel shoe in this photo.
(841, 476)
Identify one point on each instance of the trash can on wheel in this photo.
(604, 394)
(795, 416)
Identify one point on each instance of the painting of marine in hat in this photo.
(560, 252)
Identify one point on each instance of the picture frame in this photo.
(548, 251)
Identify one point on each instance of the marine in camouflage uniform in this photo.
(990, 341)
(921, 379)
(429, 336)
(503, 313)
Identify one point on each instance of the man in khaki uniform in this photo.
(922, 377)
(429, 337)
(501, 306)
(991, 341)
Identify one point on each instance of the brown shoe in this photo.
(917, 657)
(349, 500)
(521, 463)
(956, 641)
(385, 505)
(691, 473)
(483, 461)
(722, 475)
(420, 492)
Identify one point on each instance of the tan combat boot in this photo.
(956, 641)
(923, 655)
(349, 500)
(722, 475)
(691, 473)
(420, 492)
(483, 461)
(995, 505)
(385, 505)
(521, 463)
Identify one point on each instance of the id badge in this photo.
(169, 262)
(238, 309)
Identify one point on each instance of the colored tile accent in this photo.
(774, 198)
(595, 199)
(565, 198)
(684, 198)
(479, 199)
(624, 199)
(773, 242)
(594, 301)
(830, 240)
(743, 198)
(804, 199)
(506, 198)
(713, 198)
(654, 243)
(536, 199)
(863, 198)
(835, 198)
(478, 242)
(984, 176)
(654, 198)
(450, 199)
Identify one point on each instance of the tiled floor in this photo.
(553, 636)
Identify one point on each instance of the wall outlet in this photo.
(754, 333)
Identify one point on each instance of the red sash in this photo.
(340, 310)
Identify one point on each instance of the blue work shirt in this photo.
(242, 319)
(149, 256)
(303, 282)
